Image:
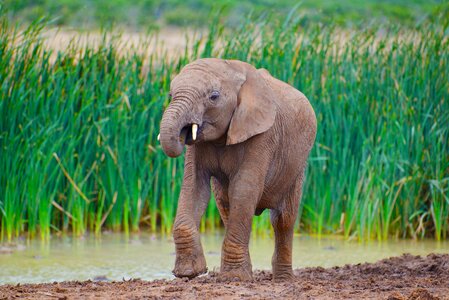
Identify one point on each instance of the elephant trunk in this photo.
(176, 128)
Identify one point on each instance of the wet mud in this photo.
(396, 278)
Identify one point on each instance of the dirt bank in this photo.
(405, 277)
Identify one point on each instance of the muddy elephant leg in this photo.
(222, 200)
(283, 222)
(244, 193)
(193, 200)
(235, 259)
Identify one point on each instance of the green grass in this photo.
(78, 149)
(145, 14)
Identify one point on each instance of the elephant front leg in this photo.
(190, 261)
(195, 193)
(235, 260)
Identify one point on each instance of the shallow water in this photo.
(145, 256)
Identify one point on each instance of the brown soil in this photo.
(405, 277)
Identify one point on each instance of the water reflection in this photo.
(146, 256)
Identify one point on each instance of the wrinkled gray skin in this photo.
(253, 142)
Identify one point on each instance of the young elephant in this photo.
(250, 134)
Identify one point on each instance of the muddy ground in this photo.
(404, 277)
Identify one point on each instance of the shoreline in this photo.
(402, 277)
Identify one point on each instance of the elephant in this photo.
(248, 136)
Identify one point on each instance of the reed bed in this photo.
(78, 149)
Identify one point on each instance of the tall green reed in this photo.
(78, 130)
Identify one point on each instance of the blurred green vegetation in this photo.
(144, 14)
(78, 149)
(78, 128)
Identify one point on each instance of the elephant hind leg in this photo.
(283, 222)
(222, 200)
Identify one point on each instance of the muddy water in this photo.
(117, 257)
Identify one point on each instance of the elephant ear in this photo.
(255, 111)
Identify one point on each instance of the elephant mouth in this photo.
(189, 134)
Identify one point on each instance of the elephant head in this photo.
(214, 99)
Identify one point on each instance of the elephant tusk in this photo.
(158, 136)
(194, 130)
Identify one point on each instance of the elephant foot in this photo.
(190, 266)
(283, 276)
(283, 273)
(241, 273)
(235, 275)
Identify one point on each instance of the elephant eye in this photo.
(214, 95)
